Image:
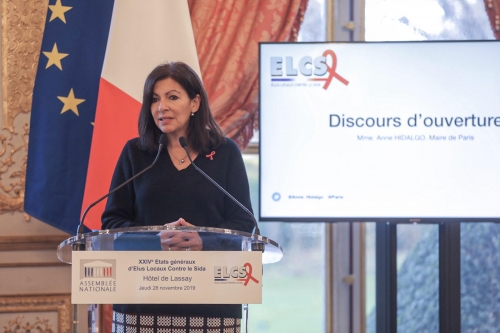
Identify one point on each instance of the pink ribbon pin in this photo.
(211, 155)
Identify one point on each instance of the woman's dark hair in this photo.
(203, 132)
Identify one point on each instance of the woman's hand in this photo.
(180, 240)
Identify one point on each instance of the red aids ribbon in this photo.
(211, 155)
(249, 274)
(331, 70)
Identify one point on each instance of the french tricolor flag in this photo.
(94, 59)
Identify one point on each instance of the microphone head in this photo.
(183, 142)
(163, 139)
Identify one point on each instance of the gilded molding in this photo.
(32, 264)
(22, 30)
(41, 325)
(60, 304)
(23, 23)
(30, 243)
(13, 159)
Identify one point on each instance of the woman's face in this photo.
(171, 107)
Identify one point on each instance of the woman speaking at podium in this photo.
(175, 105)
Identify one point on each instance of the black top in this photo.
(164, 194)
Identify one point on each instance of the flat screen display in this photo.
(380, 131)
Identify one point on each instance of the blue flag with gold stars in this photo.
(63, 109)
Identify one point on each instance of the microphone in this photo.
(255, 246)
(80, 229)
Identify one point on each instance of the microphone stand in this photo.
(256, 245)
(80, 229)
(80, 245)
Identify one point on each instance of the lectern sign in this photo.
(164, 277)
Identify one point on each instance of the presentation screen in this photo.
(380, 131)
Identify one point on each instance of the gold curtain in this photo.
(227, 33)
(493, 11)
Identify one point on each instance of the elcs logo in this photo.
(307, 67)
(242, 274)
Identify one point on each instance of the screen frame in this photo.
(328, 219)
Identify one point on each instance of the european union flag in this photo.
(63, 110)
